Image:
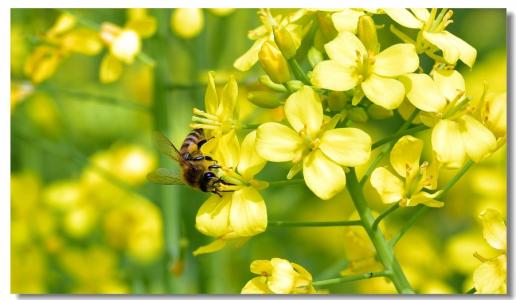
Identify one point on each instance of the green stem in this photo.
(349, 278)
(384, 214)
(249, 126)
(421, 210)
(398, 135)
(388, 147)
(471, 291)
(383, 249)
(298, 71)
(315, 223)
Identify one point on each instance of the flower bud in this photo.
(367, 33)
(314, 56)
(266, 80)
(266, 99)
(294, 85)
(274, 63)
(337, 101)
(285, 41)
(377, 112)
(358, 115)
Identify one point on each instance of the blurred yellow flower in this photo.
(124, 43)
(58, 43)
(290, 25)
(456, 134)
(278, 276)
(319, 151)
(404, 157)
(187, 22)
(352, 65)
(433, 33)
(241, 213)
(493, 113)
(137, 228)
(491, 276)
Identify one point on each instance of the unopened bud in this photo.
(314, 56)
(379, 113)
(285, 41)
(273, 62)
(367, 33)
(187, 22)
(266, 99)
(294, 85)
(358, 115)
(266, 80)
(337, 101)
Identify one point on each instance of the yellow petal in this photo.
(42, 64)
(405, 155)
(450, 83)
(213, 216)
(403, 17)
(283, 276)
(303, 110)
(491, 276)
(110, 69)
(494, 114)
(421, 14)
(478, 141)
(248, 214)
(346, 20)
(211, 98)
(145, 26)
(386, 92)
(64, 23)
(349, 147)
(450, 52)
(214, 246)
(228, 99)
(126, 46)
(250, 57)
(333, 76)
(495, 231)
(250, 162)
(83, 41)
(388, 185)
(423, 93)
(425, 199)
(323, 177)
(344, 49)
(277, 142)
(228, 150)
(256, 285)
(261, 267)
(447, 144)
(467, 54)
(187, 22)
(396, 60)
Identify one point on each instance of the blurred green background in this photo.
(85, 220)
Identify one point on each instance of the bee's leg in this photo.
(214, 166)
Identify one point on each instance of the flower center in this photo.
(364, 64)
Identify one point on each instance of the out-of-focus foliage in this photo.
(84, 218)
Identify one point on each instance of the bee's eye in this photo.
(209, 175)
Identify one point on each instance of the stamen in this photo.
(204, 114)
(205, 121)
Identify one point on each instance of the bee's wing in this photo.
(164, 176)
(166, 147)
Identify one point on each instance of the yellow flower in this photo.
(124, 43)
(456, 134)
(432, 30)
(241, 212)
(187, 22)
(404, 157)
(319, 151)
(491, 276)
(493, 113)
(278, 276)
(221, 115)
(352, 65)
(59, 42)
(264, 33)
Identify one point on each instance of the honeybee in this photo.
(197, 170)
